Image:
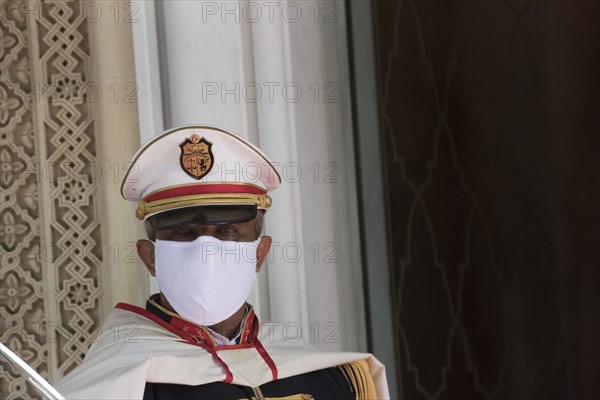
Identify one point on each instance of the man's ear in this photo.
(145, 250)
(262, 251)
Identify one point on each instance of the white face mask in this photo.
(207, 280)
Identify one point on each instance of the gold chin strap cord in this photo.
(358, 375)
(144, 208)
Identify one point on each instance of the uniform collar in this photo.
(246, 332)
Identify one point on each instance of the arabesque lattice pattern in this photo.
(49, 228)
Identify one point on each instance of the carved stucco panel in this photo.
(50, 256)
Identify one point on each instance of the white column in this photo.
(148, 77)
(147, 69)
(206, 63)
(307, 128)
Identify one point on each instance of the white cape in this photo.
(132, 350)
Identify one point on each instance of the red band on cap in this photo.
(203, 189)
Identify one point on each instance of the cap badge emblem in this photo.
(196, 156)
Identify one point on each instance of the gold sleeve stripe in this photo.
(358, 375)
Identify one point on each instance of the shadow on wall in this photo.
(489, 114)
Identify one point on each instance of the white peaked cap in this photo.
(198, 165)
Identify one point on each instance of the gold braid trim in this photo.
(358, 375)
(144, 208)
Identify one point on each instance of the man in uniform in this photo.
(198, 338)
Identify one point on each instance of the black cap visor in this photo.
(204, 215)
